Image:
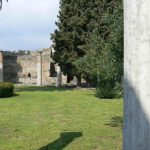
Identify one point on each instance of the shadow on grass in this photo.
(64, 140)
(41, 88)
(14, 95)
(116, 121)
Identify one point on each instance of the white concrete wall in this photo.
(1, 67)
(137, 75)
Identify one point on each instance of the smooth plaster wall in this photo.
(137, 75)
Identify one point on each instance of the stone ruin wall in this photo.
(28, 64)
(46, 59)
(17, 67)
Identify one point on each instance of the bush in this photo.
(105, 93)
(6, 89)
(118, 91)
(110, 93)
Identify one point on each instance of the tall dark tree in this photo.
(104, 58)
(67, 37)
(89, 39)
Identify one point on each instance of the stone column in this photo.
(1, 67)
(39, 69)
(58, 77)
(137, 75)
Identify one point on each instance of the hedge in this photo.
(105, 93)
(6, 89)
(110, 93)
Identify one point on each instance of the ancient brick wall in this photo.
(28, 65)
(17, 68)
(46, 60)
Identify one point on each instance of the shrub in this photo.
(118, 91)
(105, 93)
(109, 92)
(6, 89)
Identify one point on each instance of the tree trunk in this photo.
(78, 81)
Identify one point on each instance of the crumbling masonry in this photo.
(39, 65)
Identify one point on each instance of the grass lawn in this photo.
(47, 118)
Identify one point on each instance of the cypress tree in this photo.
(103, 61)
(89, 39)
(67, 37)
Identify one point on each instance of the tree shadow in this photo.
(136, 113)
(116, 121)
(11, 67)
(41, 88)
(64, 140)
(16, 95)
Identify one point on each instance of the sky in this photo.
(27, 24)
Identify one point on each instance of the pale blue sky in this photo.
(27, 24)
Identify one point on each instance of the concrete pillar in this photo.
(59, 77)
(1, 67)
(39, 69)
(137, 75)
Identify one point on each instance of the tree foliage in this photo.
(67, 37)
(89, 40)
(104, 58)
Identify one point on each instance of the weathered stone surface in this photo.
(59, 77)
(39, 69)
(46, 60)
(1, 67)
(136, 75)
(17, 68)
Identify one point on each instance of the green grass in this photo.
(59, 119)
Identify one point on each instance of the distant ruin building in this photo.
(36, 68)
